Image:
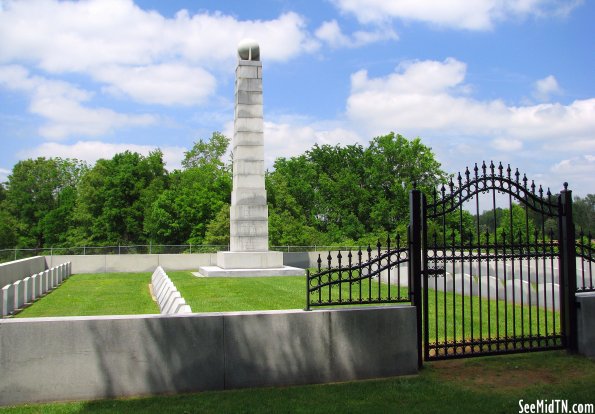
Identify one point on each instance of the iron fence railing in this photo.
(356, 277)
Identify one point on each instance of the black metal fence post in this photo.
(568, 317)
(415, 265)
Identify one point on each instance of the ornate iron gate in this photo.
(501, 280)
(493, 282)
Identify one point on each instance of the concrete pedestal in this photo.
(249, 260)
(216, 271)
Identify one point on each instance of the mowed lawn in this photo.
(96, 294)
(205, 294)
(478, 385)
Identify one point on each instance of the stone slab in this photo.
(35, 286)
(6, 304)
(250, 260)
(27, 290)
(318, 346)
(248, 152)
(252, 197)
(247, 125)
(18, 294)
(86, 358)
(249, 98)
(586, 323)
(39, 289)
(216, 271)
(248, 244)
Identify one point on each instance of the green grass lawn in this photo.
(486, 384)
(485, 318)
(128, 293)
(205, 294)
(96, 294)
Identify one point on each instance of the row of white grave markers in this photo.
(16, 295)
(168, 298)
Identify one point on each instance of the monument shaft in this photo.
(249, 253)
(249, 211)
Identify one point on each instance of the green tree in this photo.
(8, 235)
(217, 232)
(115, 196)
(583, 211)
(208, 152)
(393, 165)
(347, 192)
(516, 223)
(35, 189)
(196, 195)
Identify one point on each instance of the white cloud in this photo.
(544, 88)
(460, 14)
(578, 172)
(60, 104)
(91, 151)
(4, 173)
(331, 33)
(141, 54)
(425, 97)
(81, 36)
(166, 84)
(290, 136)
(578, 165)
(287, 139)
(504, 144)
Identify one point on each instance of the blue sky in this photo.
(502, 80)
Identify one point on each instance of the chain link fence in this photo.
(8, 255)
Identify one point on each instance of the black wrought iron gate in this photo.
(492, 281)
(490, 265)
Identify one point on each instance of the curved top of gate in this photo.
(492, 178)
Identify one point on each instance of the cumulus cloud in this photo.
(544, 88)
(577, 171)
(430, 97)
(4, 173)
(91, 151)
(61, 105)
(504, 144)
(330, 32)
(140, 54)
(291, 135)
(165, 84)
(458, 14)
(84, 35)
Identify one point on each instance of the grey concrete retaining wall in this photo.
(97, 357)
(133, 262)
(10, 272)
(148, 262)
(586, 323)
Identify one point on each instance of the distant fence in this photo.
(8, 255)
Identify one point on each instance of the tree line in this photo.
(348, 195)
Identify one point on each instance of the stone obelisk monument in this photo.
(249, 253)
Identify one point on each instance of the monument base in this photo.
(249, 264)
(216, 271)
(249, 260)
